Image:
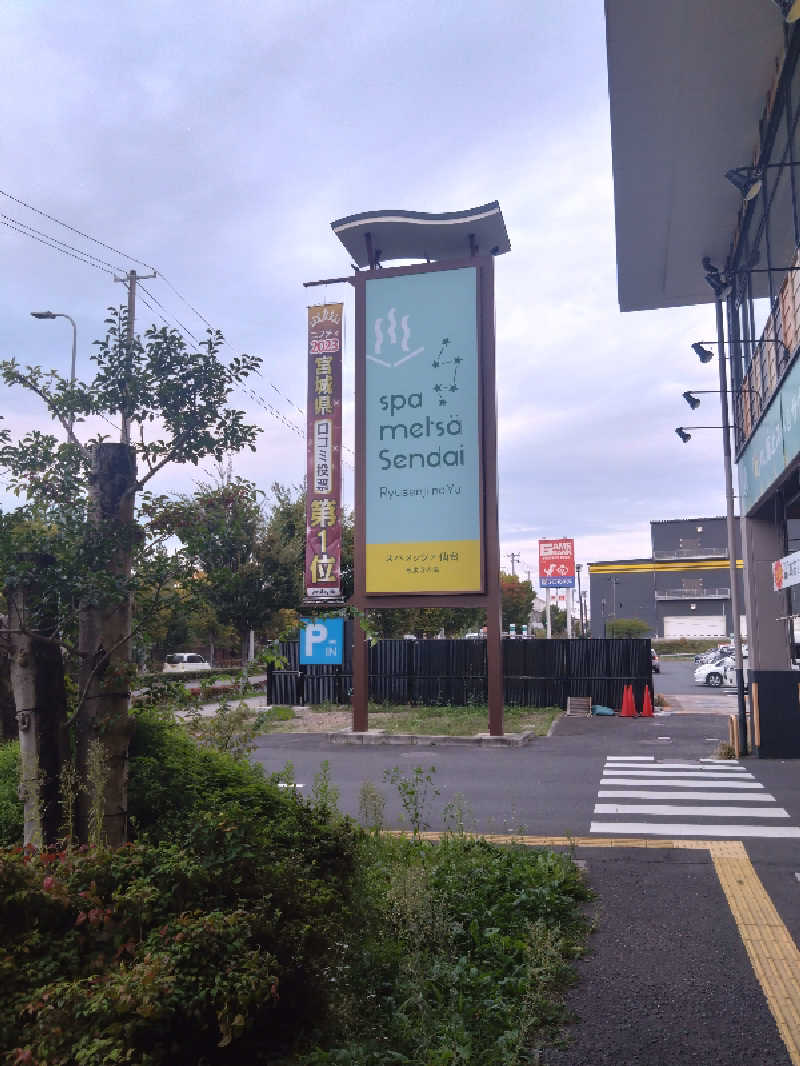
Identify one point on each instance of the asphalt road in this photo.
(549, 787)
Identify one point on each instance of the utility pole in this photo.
(514, 557)
(130, 280)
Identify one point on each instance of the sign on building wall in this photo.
(786, 572)
(422, 434)
(323, 453)
(557, 563)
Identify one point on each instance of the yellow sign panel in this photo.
(435, 565)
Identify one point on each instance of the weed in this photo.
(371, 804)
(325, 795)
(69, 787)
(725, 751)
(232, 730)
(458, 816)
(414, 793)
(97, 774)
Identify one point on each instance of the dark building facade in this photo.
(682, 590)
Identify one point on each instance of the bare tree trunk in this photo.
(8, 710)
(104, 645)
(36, 670)
(211, 651)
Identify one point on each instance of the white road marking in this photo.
(702, 831)
(681, 782)
(762, 797)
(693, 812)
(682, 773)
(673, 765)
(631, 758)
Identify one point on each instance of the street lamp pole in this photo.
(731, 523)
(60, 314)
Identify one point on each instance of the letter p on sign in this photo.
(314, 634)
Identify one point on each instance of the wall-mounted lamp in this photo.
(790, 9)
(686, 437)
(718, 281)
(748, 180)
(703, 354)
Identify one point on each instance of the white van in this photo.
(184, 661)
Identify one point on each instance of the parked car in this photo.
(184, 661)
(655, 661)
(716, 674)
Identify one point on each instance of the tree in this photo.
(244, 569)
(627, 627)
(558, 621)
(517, 599)
(81, 498)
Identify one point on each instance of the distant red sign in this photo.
(557, 563)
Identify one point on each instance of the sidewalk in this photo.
(668, 977)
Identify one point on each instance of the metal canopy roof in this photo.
(687, 84)
(419, 235)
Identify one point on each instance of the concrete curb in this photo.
(482, 740)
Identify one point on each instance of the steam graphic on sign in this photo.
(391, 333)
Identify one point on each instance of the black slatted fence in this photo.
(537, 673)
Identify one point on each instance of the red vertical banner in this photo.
(324, 453)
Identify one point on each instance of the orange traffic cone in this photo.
(647, 704)
(628, 707)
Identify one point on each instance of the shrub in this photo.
(10, 804)
(176, 952)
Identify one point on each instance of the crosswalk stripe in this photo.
(762, 797)
(706, 811)
(682, 773)
(703, 831)
(733, 771)
(631, 758)
(679, 782)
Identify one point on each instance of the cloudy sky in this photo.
(217, 142)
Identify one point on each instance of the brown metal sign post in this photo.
(426, 521)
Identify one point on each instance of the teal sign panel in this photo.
(763, 459)
(790, 414)
(422, 405)
(422, 432)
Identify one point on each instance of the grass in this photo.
(452, 721)
(684, 646)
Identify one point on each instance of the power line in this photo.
(156, 300)
(31, 231)
(83, 256)
(55, 247)
(72, 229)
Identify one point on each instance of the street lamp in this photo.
(60, 314)
(720, 290)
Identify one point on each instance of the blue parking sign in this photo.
(321, 640)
